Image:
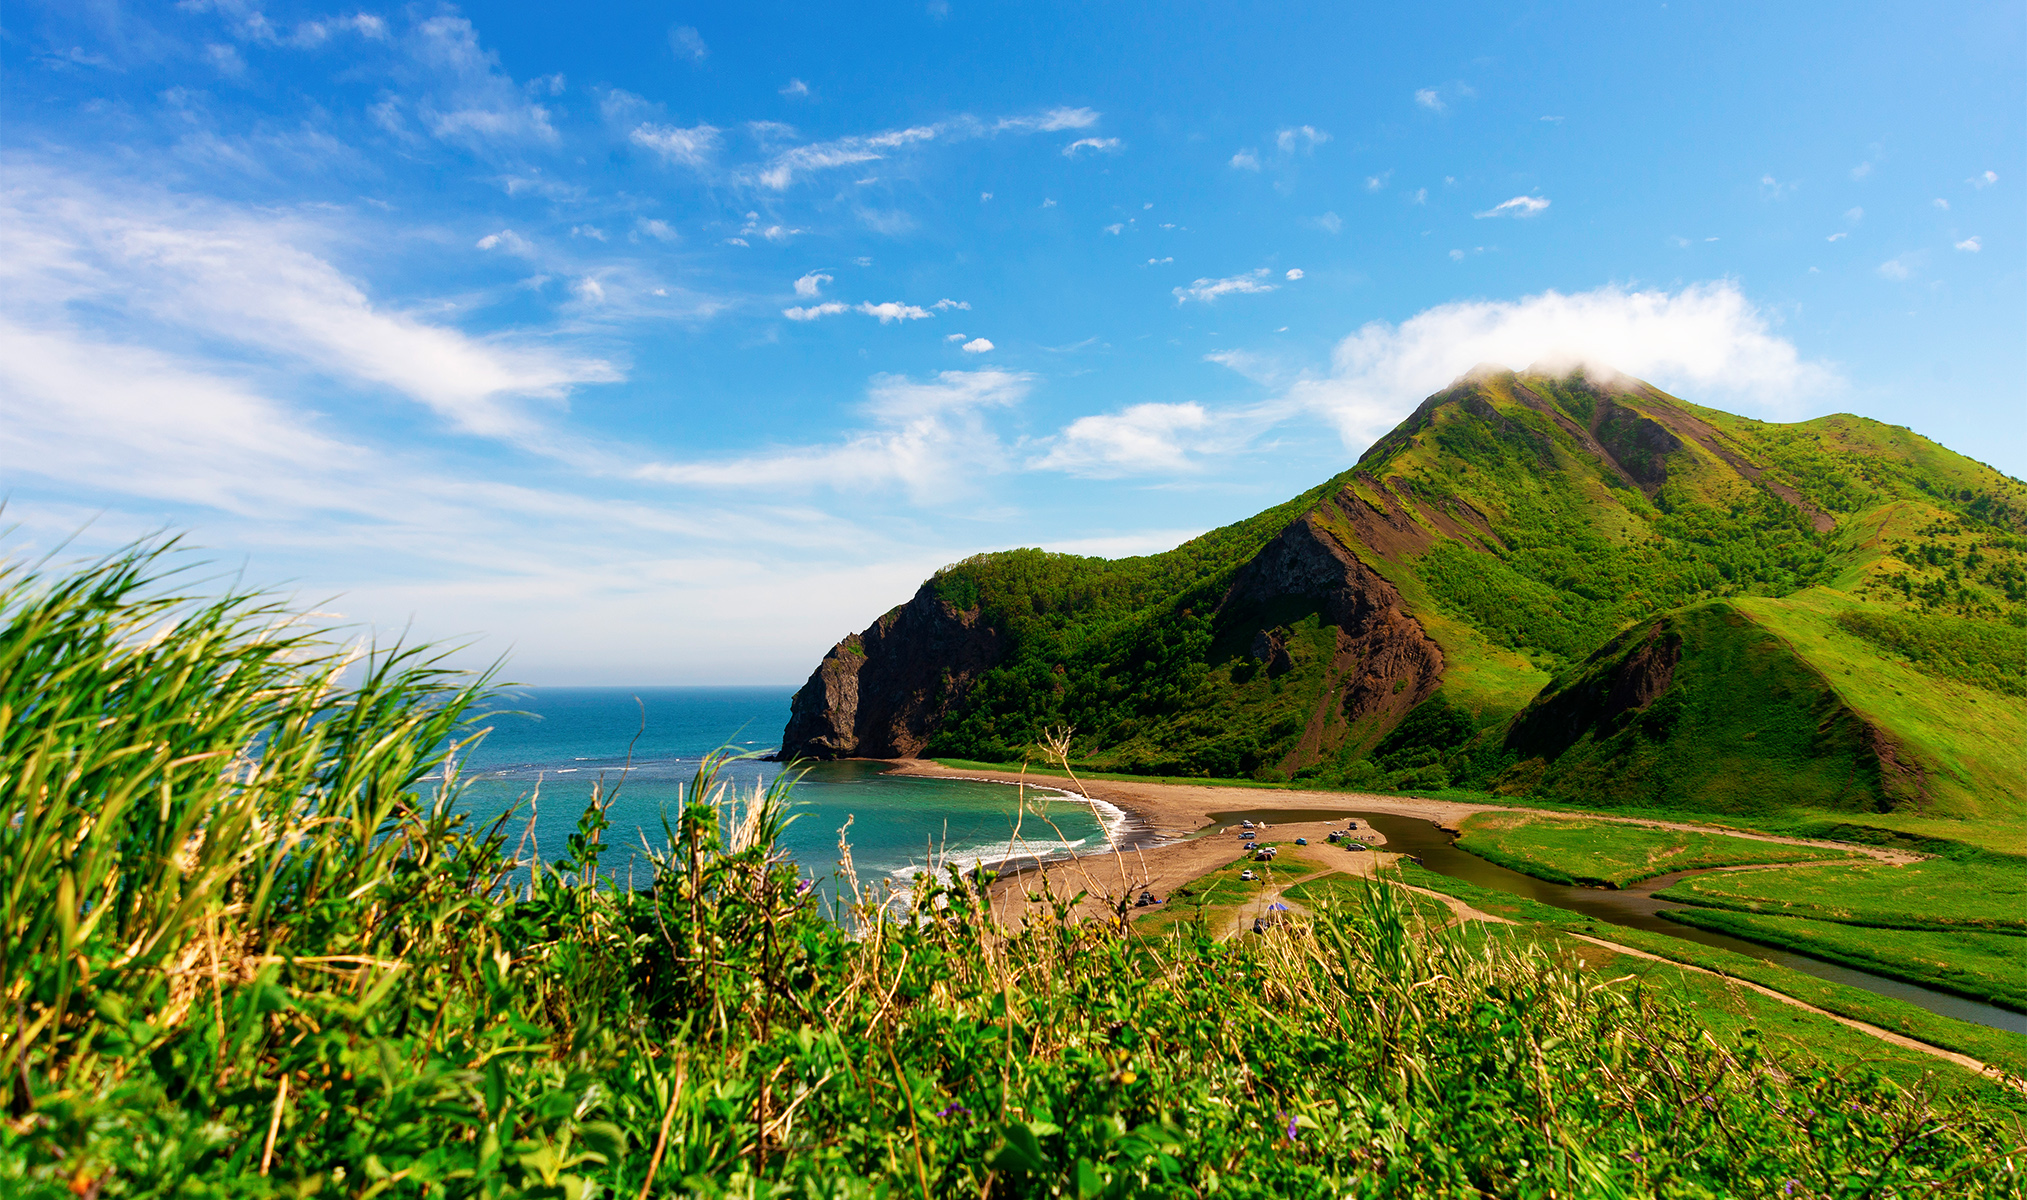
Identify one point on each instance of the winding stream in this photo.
(1636, 908)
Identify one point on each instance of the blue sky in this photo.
(667, 343)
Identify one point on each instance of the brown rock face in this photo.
(882, 693)
(1385, 663)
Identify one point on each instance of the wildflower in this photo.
(953, 1108)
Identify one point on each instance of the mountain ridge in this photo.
(1472, 564)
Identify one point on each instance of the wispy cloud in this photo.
(467, 98)
(1138, 440)
(687, 44)
(1300, 137)
(813, 311)
(1774, 189)
(1430, 99)
(253, 278)
(810, 284)
(1096, 145)
(1246, 160)
(691, 147)
(1329, 222)
(1970, 245)
(928, 438)
(1207, 290)
(795, 88)
(1983, 180)
(1900, 267)
(1519, 206)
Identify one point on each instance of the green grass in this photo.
(1989, 655)
(2007, 1051)
(1612, 853)
(1984, 966)
(1936, 893)
(251, 949)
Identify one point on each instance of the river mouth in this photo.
(1634, 907)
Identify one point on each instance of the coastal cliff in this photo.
(884, 692)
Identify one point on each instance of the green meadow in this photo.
(1613, 853)
(1984, 966)
(1941, 893)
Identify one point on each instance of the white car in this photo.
(1248, 875)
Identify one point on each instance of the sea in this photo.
(546, 748)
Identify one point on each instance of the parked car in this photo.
(1248, 875)
(1302, 841)
(1354, 845)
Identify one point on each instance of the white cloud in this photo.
(1329, 222)
(894, 310)
(795, 87)
(1774, 189)
(929, 438)
(1456, 256)
(687, 43)
(1096, 144)
(1519, 206)
(658, 229)
(841, 152)
(691, 147)
(508, 240)
(1854, 215)
(977, 346)
(809, 285)
(813, 311)
(1899, 267)
(253, 278)
(1141, 439)
(1208, 290)
(1302, 137)
(955, 337)
(470, 100)
(1155, 262)
(1970, 245)
(1246, 160)
(589, 290)
(1419, 196)
(588, 231)
(1048, 203)
(1294, 273)
(1836, 237)
(984, 196)
(946, 304)
(1116, 228)
(1430, 99)
(1705, 340)
(1055, 120)
(1942, 204)
(1374, 183)
(1983, 181)
(1861, 170)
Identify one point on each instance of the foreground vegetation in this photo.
(251, 948)
(1613, 853)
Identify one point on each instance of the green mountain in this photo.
(1572, 586)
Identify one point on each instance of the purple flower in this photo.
(952, 1108)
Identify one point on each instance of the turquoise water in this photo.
(565, 739)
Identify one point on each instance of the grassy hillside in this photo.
(1845, 600)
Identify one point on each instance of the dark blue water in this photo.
(549, 746)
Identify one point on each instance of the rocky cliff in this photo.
(884, 692)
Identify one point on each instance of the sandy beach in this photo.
(1159, 850)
